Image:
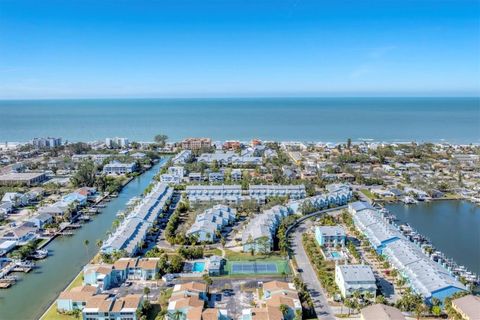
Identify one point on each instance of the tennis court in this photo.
(253, 267)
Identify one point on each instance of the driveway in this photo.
(308, 274)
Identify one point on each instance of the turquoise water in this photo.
(336, 255)
(198, 266)
(306, 119)
(452, 226)
(32, 295)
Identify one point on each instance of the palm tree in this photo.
(86, 243)
(177, 315)
(284, 310)
(99, 243)
(146, 291)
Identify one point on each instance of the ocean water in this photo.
(454, 120)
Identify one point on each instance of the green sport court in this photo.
(257, 267)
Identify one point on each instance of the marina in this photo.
(67, 255)
(433, 226)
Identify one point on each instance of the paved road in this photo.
(308, 275)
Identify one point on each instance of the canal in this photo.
(34, 292)
(452, 226)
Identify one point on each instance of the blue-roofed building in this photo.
(424, 276)
(75, 197)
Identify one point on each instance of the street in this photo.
(308, 274)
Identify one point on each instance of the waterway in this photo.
(32, 295)
(452, 226)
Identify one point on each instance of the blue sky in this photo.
(203, 48)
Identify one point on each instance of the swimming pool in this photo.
(198, 266)
(336, 255)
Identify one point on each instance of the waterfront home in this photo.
(378, 231)
(74, 197)
(133, 230)
(381, 311)
(40, 220)
(21, 234)
(55, 210)
(101, 308)
(22, 178)
(424, 276)
(352, 278)
(6, 246)
(116, 167)
(260, 230)
(75, 298)
(330, 235)
(106, 276)
(99, 276)
(170, 178)
(182, 157)
(358, 206)
(468, 307)
(211, 221)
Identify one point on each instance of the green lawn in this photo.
(52, 313)
(368, 194)
(238, 256)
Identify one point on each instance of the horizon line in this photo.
(247, 97)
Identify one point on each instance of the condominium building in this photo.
(260, 231)
(22, 178)
(182, 157)
(261, 192)
(196, 143)
(133, 229)
(330, 235)
(116, 167)
(212, 220)
(423, 275)
(117, 142)
(355, 278)
(46, 142)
